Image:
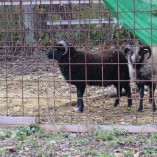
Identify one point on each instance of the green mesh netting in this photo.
(139, 16)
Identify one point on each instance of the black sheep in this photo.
(143, 72)
(99, 69)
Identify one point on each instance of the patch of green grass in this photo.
(154, 136)
(111, 143)
(5, 134)
(33, 141)
(119, 141)
(67, 155)
(91, 152)
(23, 132)
(130, 140)
(44, 152)
(122, 140)
(104, 135)
(128, 153)
(2, 152)
(141, 138)
(108, 135)
(105, 155)
(149, 150)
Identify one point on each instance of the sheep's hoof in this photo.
(154, 109)
(150, 100)
(80, 110)
(129, 103)
(139, 110)
(128, 108)
(115, 105)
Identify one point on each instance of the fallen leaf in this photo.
(27, 149)
(137, 154)
(119, 155)
(78, 156)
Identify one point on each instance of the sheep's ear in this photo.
(126, 50)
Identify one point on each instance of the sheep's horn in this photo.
(150, 52)
(64, 43)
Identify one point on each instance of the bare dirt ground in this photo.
(33, 86)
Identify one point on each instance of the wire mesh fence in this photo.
(33, 85)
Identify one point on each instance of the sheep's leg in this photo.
(80, 92)
(118, 96)
(151, 96)
(141, 95)
(150, 93)
(128, 94)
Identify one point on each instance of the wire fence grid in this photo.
(32, 85)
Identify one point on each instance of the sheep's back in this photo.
(108, 67)
(95, 68)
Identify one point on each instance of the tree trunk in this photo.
(29, 25)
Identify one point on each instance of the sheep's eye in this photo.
(129, 53)
(145, 51)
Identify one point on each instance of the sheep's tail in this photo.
(65, 44)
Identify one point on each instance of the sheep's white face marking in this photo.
(130, 65)
(132, 57)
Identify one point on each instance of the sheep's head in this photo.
(59, 50)
(144, 52)
(141, 55)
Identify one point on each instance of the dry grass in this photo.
(39, 90)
